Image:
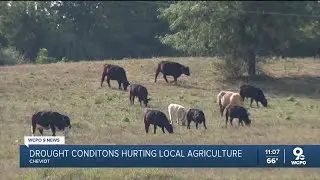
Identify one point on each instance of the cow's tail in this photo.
(157, 72)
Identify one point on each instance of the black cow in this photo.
(141, 92)
(248, 91)
(50, 120)
(168, 68)
(238, 112)
(157, 118)
(114, 72)
(196, 116)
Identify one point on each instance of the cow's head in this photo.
(247, 120)
(125, 85)
(261, 97)
(169, 128)
(147, 101)
(185, 70)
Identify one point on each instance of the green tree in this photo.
(236, 31)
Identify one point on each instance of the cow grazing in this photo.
(248, 91)
(196, 116)
(157, 118)
(50, 120)
(168, 68)
(114, 72)
(141, 92)
(237, 112)
(230, 98)
(178, 111)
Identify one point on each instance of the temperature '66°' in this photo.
(272, 160)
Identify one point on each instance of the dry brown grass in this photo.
(103, 115)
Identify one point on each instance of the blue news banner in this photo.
(183, 156)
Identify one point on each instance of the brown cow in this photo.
(197, 116)
(114, 72)
(141, 92)
(168, 68)
(50, 120)
(157, 118)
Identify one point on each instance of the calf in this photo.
(168, 68)
(114, 72)
(237, 112)
(157, 118)
(179, 111)
(50, 119)
(254, 93)
(141, 92)
(196, 116)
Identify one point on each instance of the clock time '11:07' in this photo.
(272, 151)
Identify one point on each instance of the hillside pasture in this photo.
(105, 116)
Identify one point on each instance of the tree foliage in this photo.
(236, 31)
(240, 32)
(81, 30)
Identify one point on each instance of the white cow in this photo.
(178, 111)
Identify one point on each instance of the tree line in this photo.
(83, 30)
(240, 32)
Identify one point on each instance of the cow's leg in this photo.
(33, 129)
(257, 103)
(41, 131)
(226, 120)
(157, 73)
(188, 125)
(231, 119)
(165, 78)
(133, 99)
(108, 82)
(154, 129)
(175, 79)
(196, 125)
(178, 116)
(204, 124)
(170, 116)
(251, 102)
(163, 130)
(221, 111)
(53, 130)
(146, 126)
(130, 97)
(140, 100)
(119, 83)
(241, 122)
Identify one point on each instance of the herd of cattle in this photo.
(230, 103)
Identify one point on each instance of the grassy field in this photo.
(103, 115)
